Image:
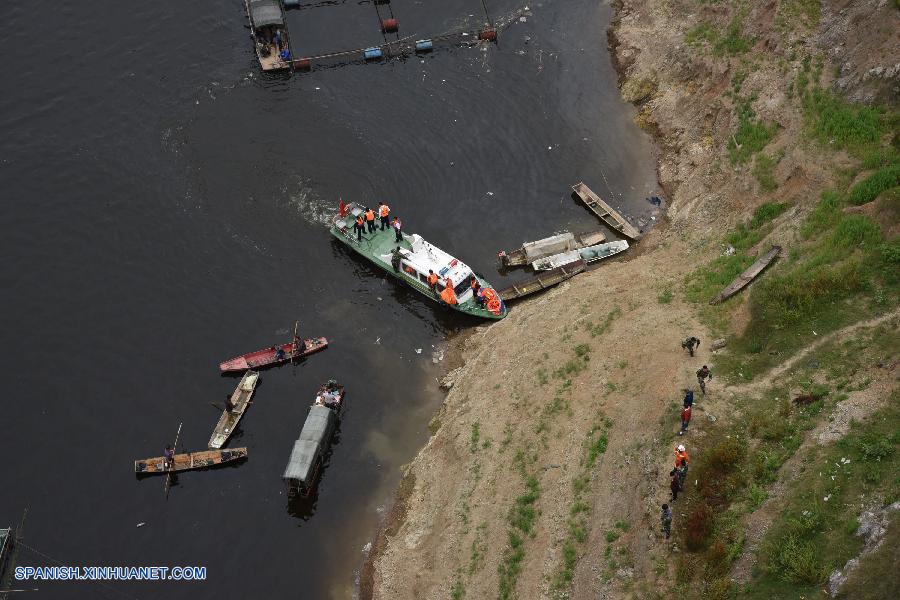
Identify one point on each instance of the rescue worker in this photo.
(476, 291)
(674, 485)
(358, 228)
(396, 256)
(398, 230)
(682, 472)
(667, 520)
(681, 455)
(703, 373)
(688, 398)
(169, 457)
(690, 344)
(448, 295)
(685, 419)
(370, 219)
(383, 211)
(432, 282)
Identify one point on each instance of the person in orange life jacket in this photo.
(448, 295)
(398, 230)
(681, 454)
(476, 291)
(370, 219)
(383, 211)
(432, 281)
(685, 419)
(358, 228)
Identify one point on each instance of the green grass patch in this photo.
(521, 520)
(869, 188)
(840, 125)
(763, 171)
(665, 297)
(752, 135)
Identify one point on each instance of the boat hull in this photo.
(189, 461)
(266, 357)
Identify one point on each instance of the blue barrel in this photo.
(372, 53)
(292, 3)
(424, 46)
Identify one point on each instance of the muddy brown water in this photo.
(163, 209)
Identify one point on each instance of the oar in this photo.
(174, 450)
(294, 353)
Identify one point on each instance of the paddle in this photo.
(294, 353)
(174, 450)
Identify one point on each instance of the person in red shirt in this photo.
(685, 419)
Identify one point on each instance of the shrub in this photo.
(751, 136)
(733, 43)
(796, 560)
(762, 170)
(824, 215)
(767, 212)
(855, 231)
(696, 36)
(833, 121)
(875, 447)
(869, 188)
(699, 527)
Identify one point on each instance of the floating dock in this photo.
(604, 211)
(747, 276)
(542, 282)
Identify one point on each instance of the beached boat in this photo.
(269, 356)
(604, 211)
(310, 448)
(417, 258)
(544, 280)
(7, 537)
(188, 461)
(747, 276)
(555, 244)
(269, 32)
(239, 402)
(588, 255)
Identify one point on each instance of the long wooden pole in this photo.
(174, 450)
(294, 353)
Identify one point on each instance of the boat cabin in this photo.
(309, 450)
(270, 34)
(422, 256)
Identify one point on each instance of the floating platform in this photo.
(189, 461)
(555, 244)
(747, 276)
(543, 281)
(604, 211)
(240, 400)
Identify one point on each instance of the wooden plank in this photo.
(747, 276)
(604, 211)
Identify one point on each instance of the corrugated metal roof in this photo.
(265, 12)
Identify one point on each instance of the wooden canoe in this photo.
(543, 281)
(603, 210)
(240, 400)
(189, 461)
(747, 276)
(267, 356)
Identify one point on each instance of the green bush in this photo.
(767, 212)
(751, 136)
(869, 188)
(696, 36)
(796, 560)
(762, 171)
(875, 447)
(832, 121)
(855, 231)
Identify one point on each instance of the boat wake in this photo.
(303, 197)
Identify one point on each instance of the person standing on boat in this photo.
(448, 295)
(169, 457)
(432, 282)
(476, 291)
(279, 353)
(398, 229)
(299, 345)
(370, 219)
(396, 257)
(358, 227)
(383, 211)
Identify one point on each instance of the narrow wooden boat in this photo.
(555, 244)
(543, 281)
(588, 255)
(747, 276)
(188, 461)
(7, 537)
(269, 356)
(308, 453)
(267, 27)
(603, 210)
(239, 401)
(417, 258)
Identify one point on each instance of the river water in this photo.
(163, 209)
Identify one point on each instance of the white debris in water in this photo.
(367, 548)
(141, 524)
(549, 147)
(522, 19)
(379, 298)
(318, 88)
(378, 340)
(418, 351)
(490, 193)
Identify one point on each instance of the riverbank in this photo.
(549, 457)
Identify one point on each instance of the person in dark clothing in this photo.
(703, 373)
(229, 406)
(396, 257)
(279, 353)
(358, 228)
(398, 229)
(169, 456)
(667, 520)
(674, 485)
(681, 471)
(688, 398)
(299, 345)
(690, 344)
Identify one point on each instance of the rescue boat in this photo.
(417, 257)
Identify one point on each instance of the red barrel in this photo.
(302, 64)
(389, 25)
(487, 34)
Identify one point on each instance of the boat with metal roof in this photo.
(269, 32)
(417, 257)
(308, 453)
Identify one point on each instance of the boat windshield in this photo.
(463, 285)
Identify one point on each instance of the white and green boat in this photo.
(417, 258)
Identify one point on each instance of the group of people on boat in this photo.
(330, 395)
(298, 348)
(365, 221)
(271, 38)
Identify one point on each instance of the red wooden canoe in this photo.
(266, 357)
